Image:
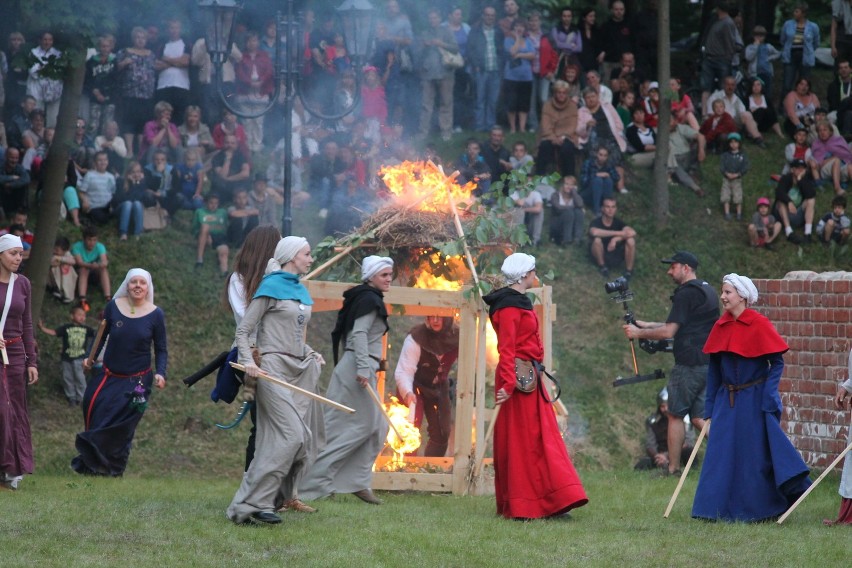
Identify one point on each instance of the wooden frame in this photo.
(471, 414)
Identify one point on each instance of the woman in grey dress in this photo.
(354, 441)
(285, 445)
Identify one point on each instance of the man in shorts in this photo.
(695, 308)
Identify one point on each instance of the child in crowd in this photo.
(760, 56)
(76, 342)
(242, 218)
(129, 200)
(210, 225)
(529, 211)
(63, 277)
(763, 229)
(566, 213)
(717, 127)
(733, 165)
(800, 149)
(90, 256)
(835, 225)
(97, 189)
(472, 168)
(520, 159)
(20, 217)
(20, 231)
(189, 179)
(266, 200)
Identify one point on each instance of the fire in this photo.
(410, 433)
(411, 181)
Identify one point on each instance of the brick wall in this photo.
(813, 313)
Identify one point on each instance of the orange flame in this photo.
(410, 181)
(410, 433)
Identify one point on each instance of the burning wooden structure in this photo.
(435, 294)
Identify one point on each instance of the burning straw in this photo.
(410, 227)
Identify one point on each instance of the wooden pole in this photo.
(460, 230)
(688, 466)
(817, 482)
(381, 406)
(477, 466)
(285, 384)
(90, 360)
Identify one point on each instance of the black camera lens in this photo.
(618, 285)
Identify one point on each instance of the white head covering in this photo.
(743, 285)
(122, 290)
(285, 251)
(372, 265)
(9, 242)
(516, 266)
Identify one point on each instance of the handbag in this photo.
(526, 375)
(451, 60)
(406, 62)
(155, 218)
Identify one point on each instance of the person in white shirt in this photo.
(737, 109)
(173, 66)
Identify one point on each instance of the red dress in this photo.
(534, 476)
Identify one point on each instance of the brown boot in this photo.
(296, 505)
(367, 496)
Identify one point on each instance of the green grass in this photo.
(59, 521)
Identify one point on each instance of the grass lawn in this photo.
(66, 521)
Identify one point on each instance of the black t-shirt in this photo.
(695, 308)
(76, 340)
(616, 225)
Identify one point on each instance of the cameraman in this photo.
(695, 308)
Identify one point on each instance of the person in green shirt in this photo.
(92, 262)
(210, 225)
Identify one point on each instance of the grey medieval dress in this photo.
(289, 426)
(354, 441)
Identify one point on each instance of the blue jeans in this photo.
(125, 209)
(599, 189)
(487, 92)
(713, 71)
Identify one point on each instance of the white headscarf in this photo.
(744, 287)
(516, 266)
(285, 251)
(9, 242)
(122, 290)
(372, 265)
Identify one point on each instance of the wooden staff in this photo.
(815, 483)
(688, 466)
(460, 229)
(309, 394)
(350, 248)
(381, 406)
(477, 467)
(90, 360)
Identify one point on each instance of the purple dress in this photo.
(16, 445)
(116, 397)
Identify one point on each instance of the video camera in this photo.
(621, 288)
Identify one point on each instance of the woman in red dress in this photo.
(534, 476)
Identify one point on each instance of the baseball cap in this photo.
(682, 257)
(763, 201)
(798, 164)
(653, 85)
(735, 136)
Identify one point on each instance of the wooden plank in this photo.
(322, 290)
(481, 411)
(445, 462)
(464, 397)
(401, 481)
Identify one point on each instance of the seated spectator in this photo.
(62, 280)
(275, 180)
(114, 146)
(716, 128)
(761, 109)
(129, 200)
(833, 156)
(496, 155)
(598, 180)
(520, 159)
(97, 189)
(159, 183)
(90, 257)
(735, 107)
(683, 110)
(593, 81)
(613, 243)
(322, 168)
(796, 208)
(230, 171)
(684, 155)
(160, 134)
(242, 218)
(839, 99)
(348, 200)
(641, 140)
(834, 225)
(36, 141)
(20, 217)
(598, 126)
(210, 226)
(764, 228)
(820, 115)
(529, 211)
(230, 126)
(656, 438)
(266, 200)
(472, 168)
(81, 149)
(14, 182)
(651, 104)
(800, 149)
(557, 133)
(571, 77)
(626, 102)
(18, 230)
(626, 71)
(800, 105)
(189, 181)
(566, 213)
(19, 122)
(195, 134)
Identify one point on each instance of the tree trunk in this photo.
(661, 186)
(54, 169)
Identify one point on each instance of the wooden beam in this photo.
(401, 481)
(465, 386)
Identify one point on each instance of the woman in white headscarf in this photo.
(117, 395)
(354, 441)
(533, 475)
(289, 427)
(751, 471)
(16, 341)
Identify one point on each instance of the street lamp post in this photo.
(357, 20)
